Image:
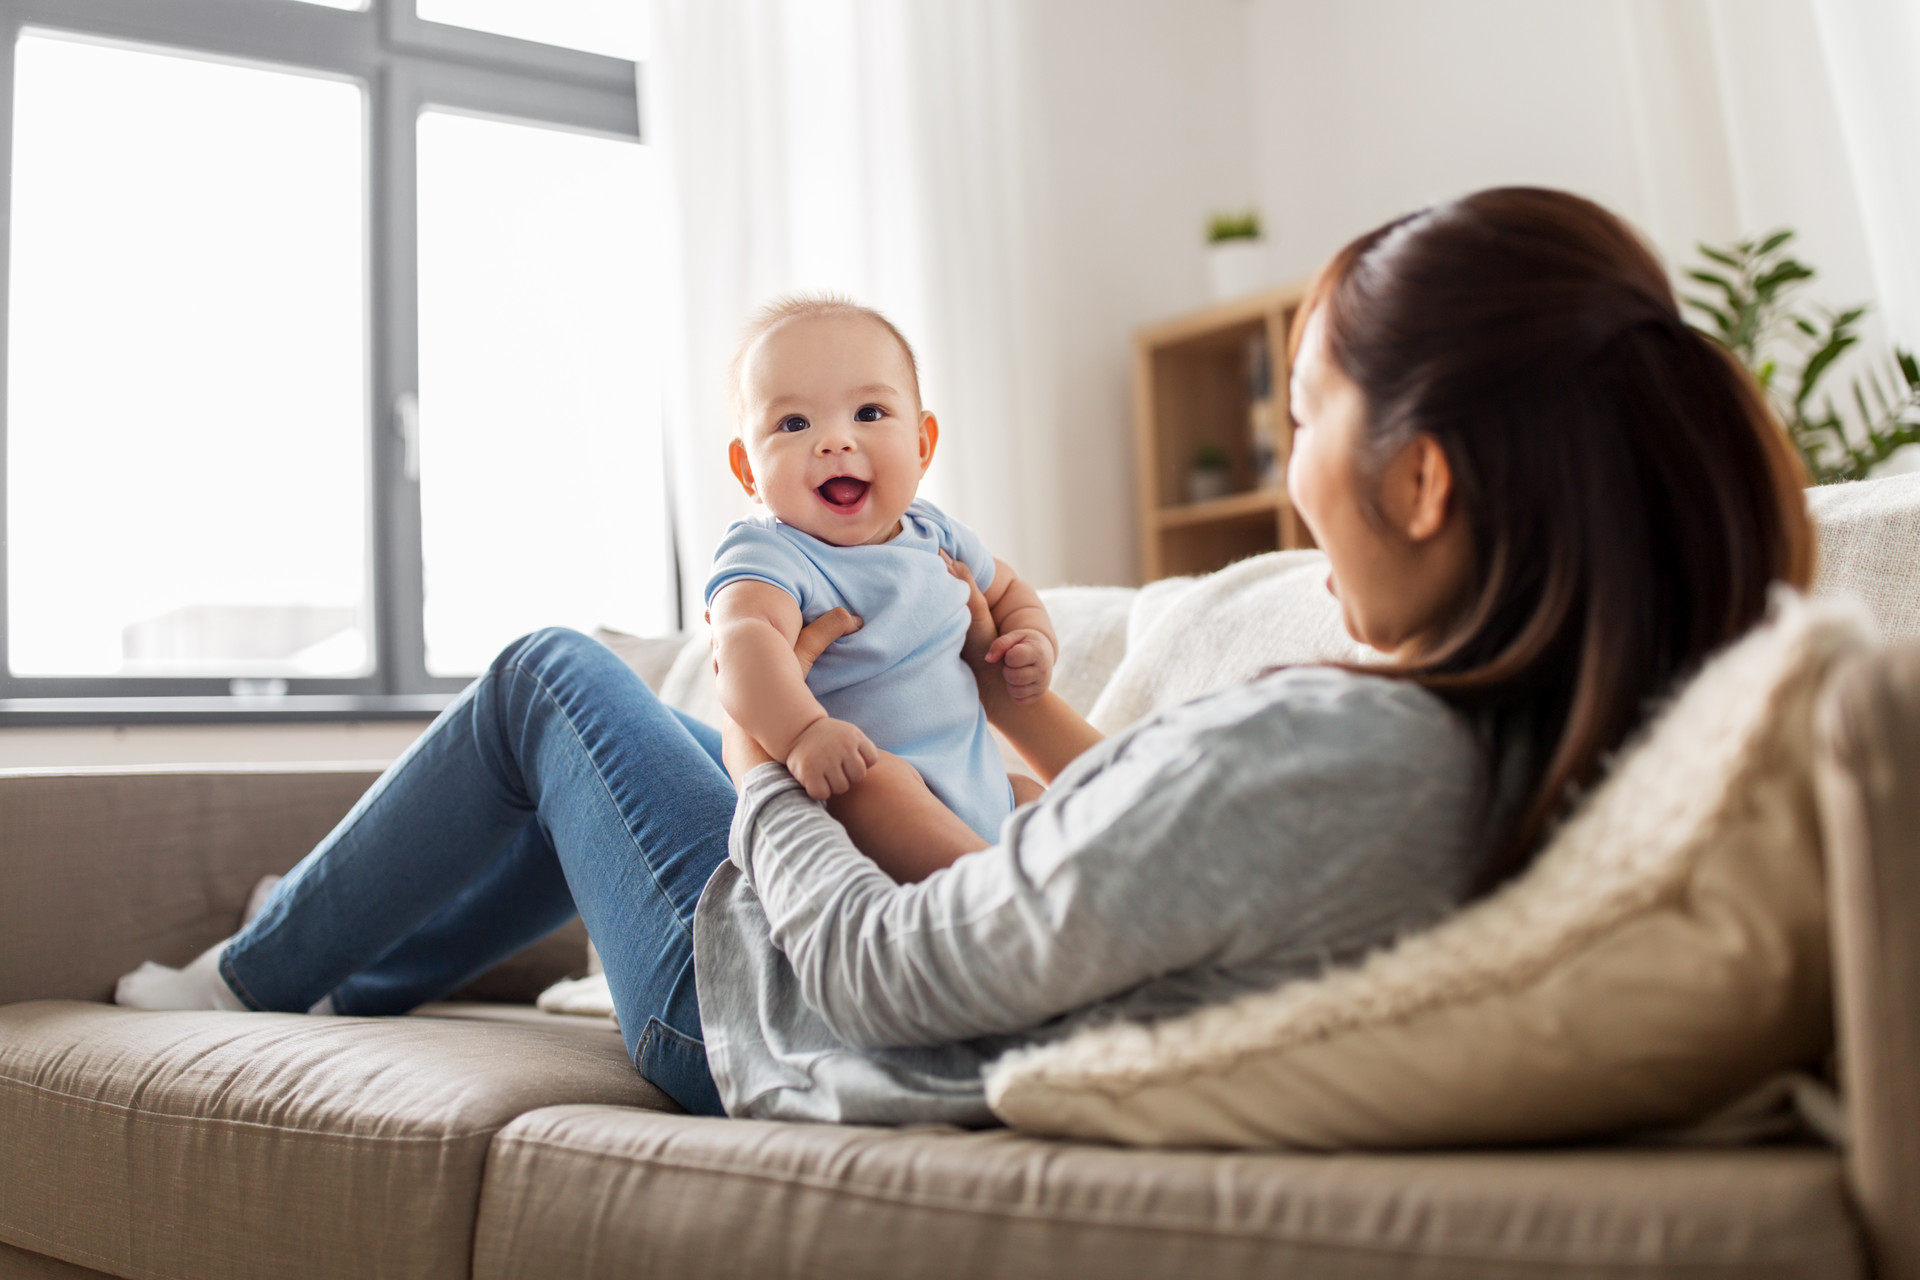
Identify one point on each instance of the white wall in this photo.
(1143, 129)
(1370, 108)
(1695, 119)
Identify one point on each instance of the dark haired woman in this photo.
(1540, 494)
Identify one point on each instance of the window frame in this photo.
(403, 65)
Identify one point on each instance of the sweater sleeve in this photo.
(1198, 839)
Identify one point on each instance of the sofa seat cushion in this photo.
(269, 1145)
(581, 1191)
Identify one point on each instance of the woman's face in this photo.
(1399, 555)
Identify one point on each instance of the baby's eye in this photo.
(869, 413)
(793, 422)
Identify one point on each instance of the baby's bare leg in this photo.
(1025, 789)
(898, 822)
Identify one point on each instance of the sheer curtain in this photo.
(1872, 54)
(874, 148)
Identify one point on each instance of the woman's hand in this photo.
(1046, 732)
(983, 635)
(737, 747)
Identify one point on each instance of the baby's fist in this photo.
(830, 756)
(1026, 658)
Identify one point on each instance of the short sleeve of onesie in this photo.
(958, 541)
(759, 552)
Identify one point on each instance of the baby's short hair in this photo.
(809, 306)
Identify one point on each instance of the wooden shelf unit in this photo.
(1191, 389)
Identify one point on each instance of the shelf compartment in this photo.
(1234, 505)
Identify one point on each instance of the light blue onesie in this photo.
(900, 678)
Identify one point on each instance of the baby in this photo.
(887, 726)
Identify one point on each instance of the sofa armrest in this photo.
(106, 868)
(1868, 775)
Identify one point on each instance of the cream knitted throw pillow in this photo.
(1664, 953)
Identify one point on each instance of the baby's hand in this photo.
(1027, 662)
(829, 756)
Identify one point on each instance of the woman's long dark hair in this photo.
(1628, 493)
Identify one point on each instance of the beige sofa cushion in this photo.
(1664, 953)
(1870, 548)
(591, 1193)
(212, 1145)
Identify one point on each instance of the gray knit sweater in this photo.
(1227, 845)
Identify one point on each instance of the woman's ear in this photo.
(1427, 480)
(741, 466)
(929, 439)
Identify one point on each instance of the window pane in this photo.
(542, 499)
(616, 28)
(186, 387)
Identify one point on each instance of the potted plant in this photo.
(1210, 476)
(1236, 255)
(1789, 348)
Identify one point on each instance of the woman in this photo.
(1540, 494)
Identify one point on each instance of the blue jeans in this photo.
(556, 783)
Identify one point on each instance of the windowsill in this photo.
(290, 708)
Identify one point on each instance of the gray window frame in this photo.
(404, 65)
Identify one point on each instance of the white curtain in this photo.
(1872, 54)
(874, 148)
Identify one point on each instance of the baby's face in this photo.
(832, 436)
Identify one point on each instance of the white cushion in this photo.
(1667, 950)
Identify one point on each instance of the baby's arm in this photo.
(1026, 644)
(762, 688)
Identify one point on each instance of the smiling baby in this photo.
(887, 726)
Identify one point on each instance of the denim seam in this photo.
(566, 717)
(232, 979)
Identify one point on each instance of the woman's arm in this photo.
(1046, 732)
(1263, 835)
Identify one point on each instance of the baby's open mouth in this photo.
(843, 493)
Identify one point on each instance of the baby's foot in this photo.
(198, 986)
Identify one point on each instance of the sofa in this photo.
(483, 1137)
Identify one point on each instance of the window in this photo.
(328, 349)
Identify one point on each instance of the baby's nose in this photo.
(829, 443)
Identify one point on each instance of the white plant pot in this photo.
(1204, 484)
(1236, 268)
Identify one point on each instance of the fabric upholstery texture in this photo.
(1870, 548)
(1868, 778)
(19, 1264)
(590, 1192)
(1666, 952)
(150, 864)
(214, 1145)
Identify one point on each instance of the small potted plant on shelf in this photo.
(1210, 476)
(1236, 255)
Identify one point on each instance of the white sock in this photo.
(198, 986)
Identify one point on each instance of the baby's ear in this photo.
(929, 438)
(741, 466)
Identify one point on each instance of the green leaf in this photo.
(1720, 256)
(1775, 240)
(1909, 368)
(1720, 317)
(1805, 326)
(1818, 363)
(1780, 276)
